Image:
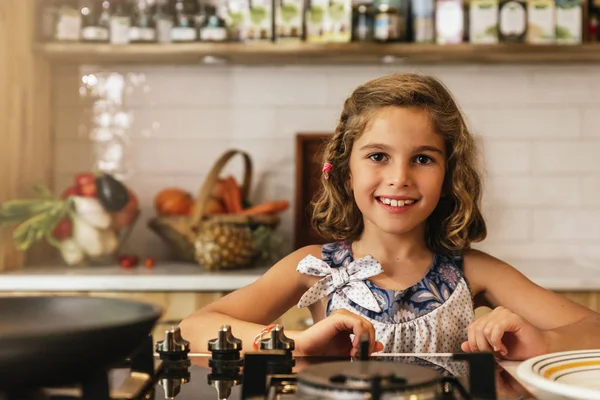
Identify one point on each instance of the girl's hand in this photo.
(507, 335)
(331, 336)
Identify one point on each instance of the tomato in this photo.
(70, 191)
(149, 262)
(88, 190)
(85, 178)
(63, 230)
(129, 260)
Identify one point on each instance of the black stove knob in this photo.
(173, 347)
(225, 350)
(225, 341)
(277, 340)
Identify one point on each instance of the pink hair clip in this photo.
(327, 167)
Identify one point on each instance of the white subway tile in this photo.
(566, 156)
(498, 86)
(532, 191)
(278, 87)
(508, 224)
(177, 156)
(591, 190)
(203, 88)
(569, 225)
(562, 85)
(506, 157)
(591, 122)
(253, 122)
(538, 122)
(206, 123)
(524, 250)
(150, 123)
(291, 121)
(341, 83)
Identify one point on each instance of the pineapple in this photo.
(224, 245)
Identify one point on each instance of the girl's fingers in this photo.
(495, 339)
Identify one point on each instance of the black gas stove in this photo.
(170, 371)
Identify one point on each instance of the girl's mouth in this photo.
(394, 204)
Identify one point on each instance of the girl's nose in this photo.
(399, 175)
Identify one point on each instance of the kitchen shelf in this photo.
(316, 53)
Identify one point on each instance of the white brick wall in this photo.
(539, 127)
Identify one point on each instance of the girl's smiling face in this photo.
(397, 169)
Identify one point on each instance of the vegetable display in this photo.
(83, 223)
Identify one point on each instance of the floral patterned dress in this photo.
(431, 316)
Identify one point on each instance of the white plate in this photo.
(564, 375)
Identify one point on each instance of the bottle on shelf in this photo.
(46, 26)
(512, 26)
(213, 29)
(390, 21)
(68, 21)
(143, 25)
(120, 22)
(184, 27)
(423, 21)
(163, 20)
(362, 22)
(449, 21)
(95, 20)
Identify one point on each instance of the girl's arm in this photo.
(542, 316)
(250, 308)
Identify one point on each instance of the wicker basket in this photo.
(184, 234)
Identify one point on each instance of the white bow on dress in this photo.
(349, 279)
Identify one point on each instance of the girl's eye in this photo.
(377, 157)
(423, 159)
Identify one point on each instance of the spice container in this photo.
(95, 20)
(120, 22)
(541, 21)
(68, 21)
(261, 23)
(483, 21)
(512, 25)
(423, 29)
(213, 29)
(362, 22)
(315, 17)
(163, 20)
(449, 21)
(288, 19)
(390, 22)
(143, 25)
(569, 18)
(184, 27)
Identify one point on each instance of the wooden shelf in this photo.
(309, 53)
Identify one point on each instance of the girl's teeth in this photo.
(396, 203)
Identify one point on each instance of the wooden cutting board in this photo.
(308, 174)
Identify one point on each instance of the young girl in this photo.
(400, 198)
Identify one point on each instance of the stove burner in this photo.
(361, 378)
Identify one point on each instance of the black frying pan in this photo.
(55, 340)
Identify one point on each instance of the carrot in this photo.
(235, 193)
(269, 207)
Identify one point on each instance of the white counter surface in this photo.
(178, 277)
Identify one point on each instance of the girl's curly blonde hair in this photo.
(457, 220)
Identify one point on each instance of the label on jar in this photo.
(541, 24)
(386, 27)
(449, 21)
(423, 21)
(179, 34)
(513, 19)
(568, 21)
(483, 21)
(94, 33)
(119, 30)
(138, 34)
(68, 24)
(163, 30)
